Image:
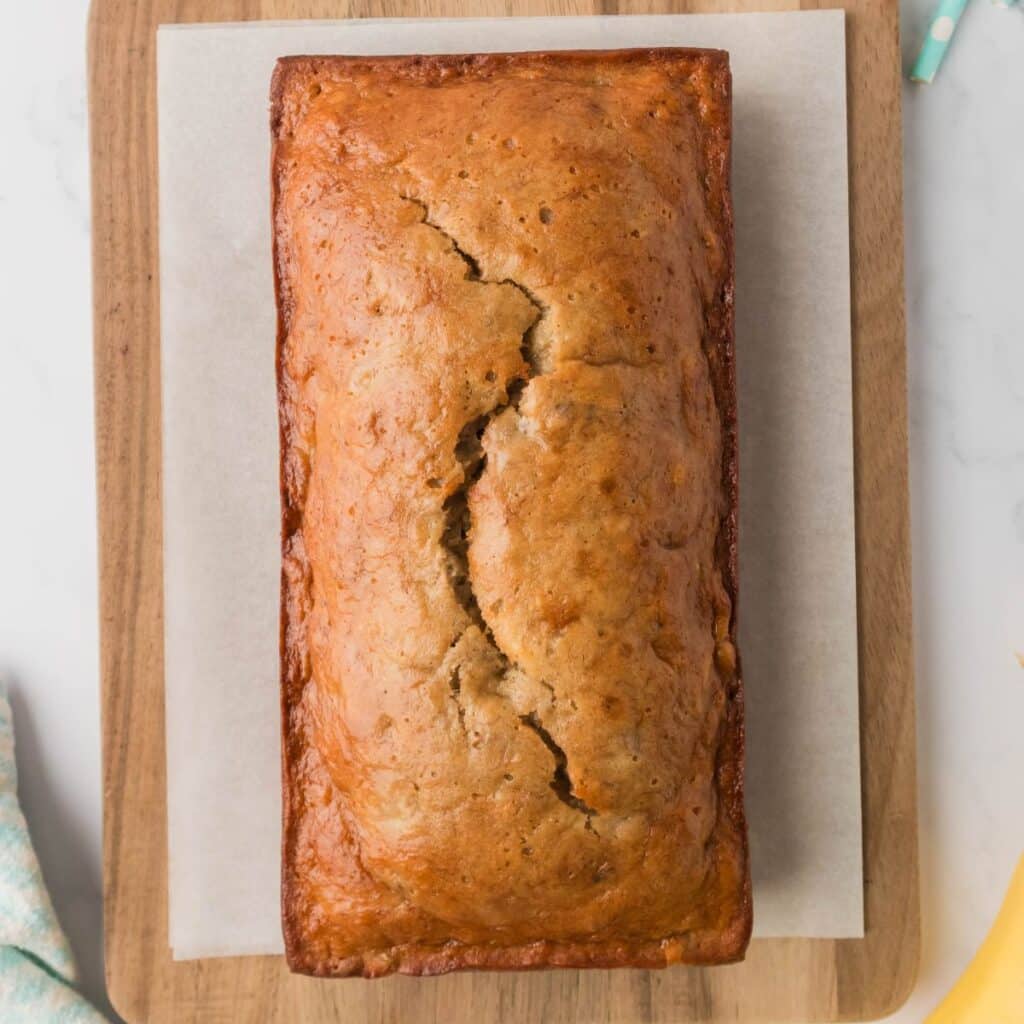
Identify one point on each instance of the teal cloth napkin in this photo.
(37, 971)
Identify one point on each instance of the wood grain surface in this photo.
(784, 980)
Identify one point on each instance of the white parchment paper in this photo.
(798, 632)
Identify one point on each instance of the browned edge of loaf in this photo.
(719, 348)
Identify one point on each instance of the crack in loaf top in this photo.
(512, 710)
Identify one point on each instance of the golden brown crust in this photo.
(512, 709)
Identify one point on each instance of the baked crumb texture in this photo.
(512, 709)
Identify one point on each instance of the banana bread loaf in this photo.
(512, 707)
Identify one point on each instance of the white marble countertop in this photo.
(964, 208)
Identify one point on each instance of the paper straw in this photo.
(936, 43)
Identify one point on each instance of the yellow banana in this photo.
(991, 990)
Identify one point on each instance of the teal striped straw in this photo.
(936, 43)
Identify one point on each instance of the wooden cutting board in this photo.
(787, 980)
